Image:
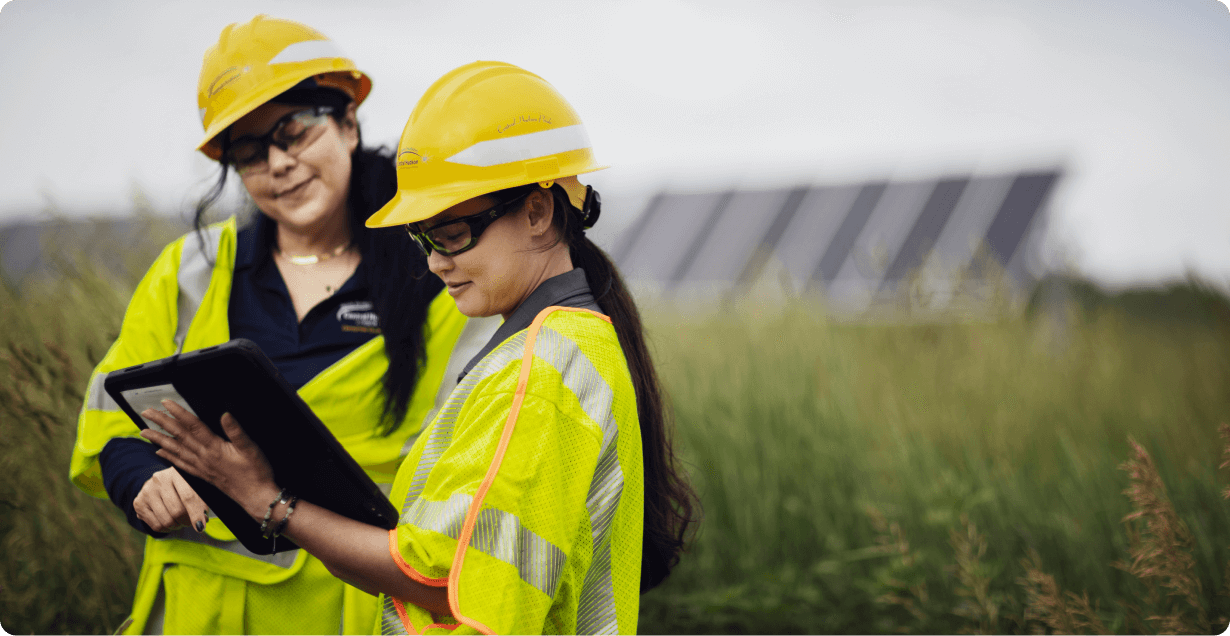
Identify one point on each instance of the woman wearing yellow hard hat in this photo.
(340, 309)
(544, 496)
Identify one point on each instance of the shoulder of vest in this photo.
(571, 322)
(567, 315)
(216, 237)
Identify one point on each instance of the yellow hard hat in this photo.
(258, 60)
(485, 127)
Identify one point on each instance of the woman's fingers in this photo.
(166, 442)
(172, 450)
(233, 430)
(160, 516)
(174, 506)
(190, 426)
(235, 467)
(150, 504)
(191, 502)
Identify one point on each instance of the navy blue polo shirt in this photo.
(260, 310)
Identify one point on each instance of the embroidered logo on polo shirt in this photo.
(358, 316)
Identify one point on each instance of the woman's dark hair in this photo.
(671, 506)
(395, 268)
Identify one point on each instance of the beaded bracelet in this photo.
(286, 519)
(282, 524)
(269, 513)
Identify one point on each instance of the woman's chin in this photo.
(308, 214)
(470, 306)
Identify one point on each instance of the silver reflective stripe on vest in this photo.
(596, 605)
(441, 434)
(500, 535)
(497, 534)
(195, 271)
(473, 336)
(390, 621)
(99, 399)
(281, 559)
(445, 517)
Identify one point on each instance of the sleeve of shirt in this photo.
(127, 464)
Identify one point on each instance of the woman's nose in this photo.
(280, 160)
(437, 263)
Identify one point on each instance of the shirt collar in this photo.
(254, 255)
(253, 243)
(569, 289)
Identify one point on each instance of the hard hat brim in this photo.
(210, 146)
(412, 207)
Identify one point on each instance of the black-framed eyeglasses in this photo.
(458, 235)
(292, 133)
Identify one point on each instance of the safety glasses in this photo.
(458, 235)
(294, 132)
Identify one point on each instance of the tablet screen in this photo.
(151, 397)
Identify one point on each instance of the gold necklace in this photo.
(312, 259)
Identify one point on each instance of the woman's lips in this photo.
(294, 190)
(456, 288)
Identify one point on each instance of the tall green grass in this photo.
(70, 561)
(885, 479)
(940, 478)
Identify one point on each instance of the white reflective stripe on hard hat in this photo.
(309, 50)
(523, 147)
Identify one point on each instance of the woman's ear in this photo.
(349, 127)
(539, 211)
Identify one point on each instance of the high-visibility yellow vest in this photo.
(524, 497)
(181, 305)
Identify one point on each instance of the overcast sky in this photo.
(1130, 97)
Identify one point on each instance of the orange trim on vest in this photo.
(405, 618)
(527, 361)
(413, 574)
(407, 569)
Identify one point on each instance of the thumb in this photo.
(235, 432)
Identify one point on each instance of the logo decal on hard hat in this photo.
(225, 77)
(523, 119)
(408, 157)
(523, 147)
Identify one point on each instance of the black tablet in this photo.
(238, 378)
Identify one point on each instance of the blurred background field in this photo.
(945, 446)
(947, 477)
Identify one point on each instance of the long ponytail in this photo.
(671, 506)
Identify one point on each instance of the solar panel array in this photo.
(859, 246)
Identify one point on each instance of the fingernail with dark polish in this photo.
(200, 526)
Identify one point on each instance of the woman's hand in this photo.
(238, 468)
(166, 502)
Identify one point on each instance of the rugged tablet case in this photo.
(237, 378)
